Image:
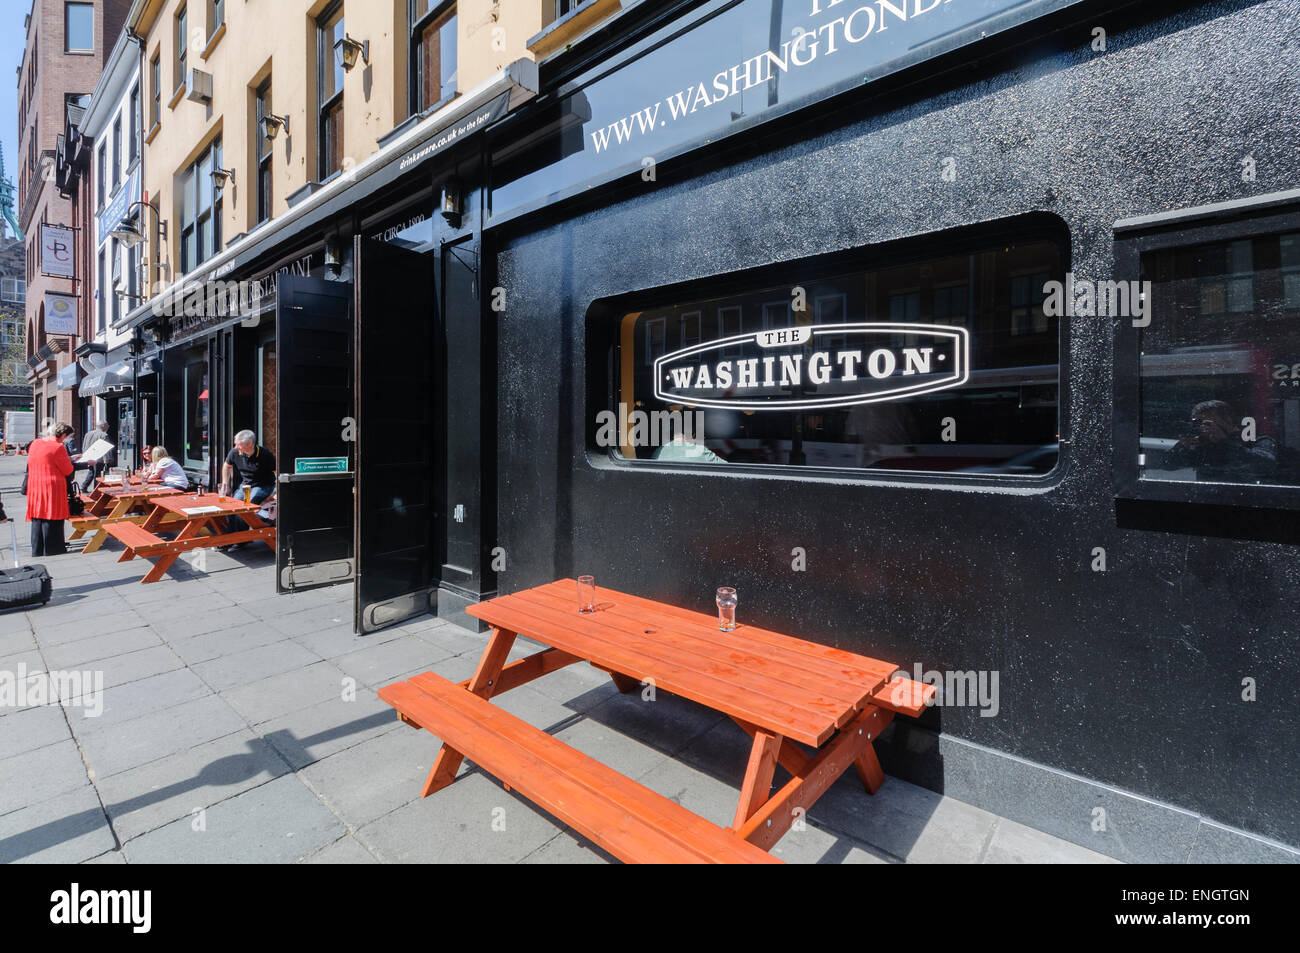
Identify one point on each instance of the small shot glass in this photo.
(726, 599)
(586, 593)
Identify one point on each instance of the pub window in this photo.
(181, 40)
(878, 377)
(79, 21)
(201, 205)
(1028, 292)
(329, 85)
(433, 52)
(263, 152)
(196, 414)
(155, 82)
(1207, 380)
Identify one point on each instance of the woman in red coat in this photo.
(48, 469)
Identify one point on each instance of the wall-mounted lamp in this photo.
(346, 50)
(453, 203)
(128, 232)
(219, 177)
(333, 254)
(271, 126)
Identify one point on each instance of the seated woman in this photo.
(167, 471)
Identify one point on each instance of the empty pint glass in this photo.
(726, 600)
(586, 593)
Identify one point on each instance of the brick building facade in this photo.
(64, 56)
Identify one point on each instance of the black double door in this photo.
(356, 382)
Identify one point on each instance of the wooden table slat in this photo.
(751, 669)
(797, 650)
(807, 727)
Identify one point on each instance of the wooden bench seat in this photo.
(138, 541)
(625, 818)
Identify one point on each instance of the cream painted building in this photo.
(212, 68)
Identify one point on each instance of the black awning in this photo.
(115, 379)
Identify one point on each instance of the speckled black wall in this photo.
(1130, 677)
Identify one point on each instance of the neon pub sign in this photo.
(831, 365)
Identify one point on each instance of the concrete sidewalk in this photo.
(241, 726)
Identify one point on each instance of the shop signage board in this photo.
(60, 313)
(743, 63)
(116, 210)
(208, 305)
(57, 252)
(320, 465)
(833, 365)
(67, 377)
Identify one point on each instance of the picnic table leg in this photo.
(757, 787)
(482, 684)
(868, 765)
(119, 510)
(165, 561)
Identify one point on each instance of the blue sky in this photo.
(12, 40)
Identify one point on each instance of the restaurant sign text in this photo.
(831, 365)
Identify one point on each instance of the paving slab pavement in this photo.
(241, 726)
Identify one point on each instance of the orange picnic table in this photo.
(200, 519)
(113, 502)
(783, 692)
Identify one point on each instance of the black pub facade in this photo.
(980, 320)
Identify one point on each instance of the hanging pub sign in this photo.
(60, 313)
(57, 246)
(834, 365)
(739, 64)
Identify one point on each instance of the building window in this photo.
(1218, 366)
(433, 53)
(101, 167)
(264, 144)
(102, 303)
(201, 201)
(79, 24)
(133, 142)
(115, 288)
(868, 377)
(13, 290)
(329, 81)
(132, 277)
(155, 79)
(181, 39)
(117, 152)
(216, 16)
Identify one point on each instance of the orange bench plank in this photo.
(625, 818)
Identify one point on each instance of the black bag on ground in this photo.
(23, 585)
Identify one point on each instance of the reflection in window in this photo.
(862, 408)
(196, 414)
(1220, 367)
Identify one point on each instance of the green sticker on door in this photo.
(320, 465)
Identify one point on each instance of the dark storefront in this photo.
(1006, 496)
(880, 276)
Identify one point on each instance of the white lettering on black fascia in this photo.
(824, 39)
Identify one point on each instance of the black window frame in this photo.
(155, 76)
(114, 279)
(265, 197)
(216, 16)
(602, 356)
(325, 27)
(101, 171)
(117, 152)
(102, 277)
(1183, 228)
(209, 217)
(180, 56)
(414, 73)
(133, 142)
